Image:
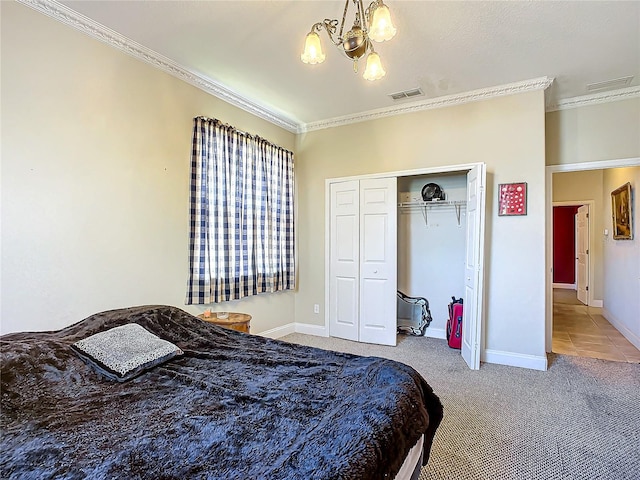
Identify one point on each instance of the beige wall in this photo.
(581, 187)
(622, 259)
(506, 133)
(95, 178)
(597, 132)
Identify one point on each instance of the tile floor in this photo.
(583, 331)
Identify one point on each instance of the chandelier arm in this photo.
(344, 16)
(330, 27)
(363, 17)
(368, 44)
(369, 11)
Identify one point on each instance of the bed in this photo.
(230, 406)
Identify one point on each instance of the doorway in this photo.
(572, 232)
(595, 300)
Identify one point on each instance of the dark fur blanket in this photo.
(234, 406)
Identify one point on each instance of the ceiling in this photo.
(251, 50)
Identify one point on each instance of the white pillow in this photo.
(123, 353)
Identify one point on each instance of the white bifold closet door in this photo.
(344, 267)
(363, 260)
(474, 268)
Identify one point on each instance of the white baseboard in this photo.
(533, 362)
(596, 303)
(622, 328)
(317, 330)
(566, 286)
(436, 333)
(308, 329)
(279, 331)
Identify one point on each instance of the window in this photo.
(242, 229)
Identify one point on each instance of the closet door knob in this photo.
(375, 271)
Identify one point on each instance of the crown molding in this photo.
(98, 31)
(595, 99)
(541, 83)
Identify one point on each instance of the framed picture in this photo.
(621, 213)
(512, 199)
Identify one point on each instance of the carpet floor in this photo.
(578, 420)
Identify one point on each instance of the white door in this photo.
(378, 261)
(344, 260)
(474, 267)
(582, 253)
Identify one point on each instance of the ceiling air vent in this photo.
(610, 84)
(415, 92)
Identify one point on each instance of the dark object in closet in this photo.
(414, 315)
(454, 323)
(431, 192)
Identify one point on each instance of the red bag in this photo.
(454, 324)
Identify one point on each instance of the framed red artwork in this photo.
(512, 199)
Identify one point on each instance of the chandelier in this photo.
(374, 23)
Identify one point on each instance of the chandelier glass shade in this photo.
(374, 70)
(313, 49)
(374, 23)
(382, 28)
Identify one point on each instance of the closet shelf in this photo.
(434, 203)
(425, 206)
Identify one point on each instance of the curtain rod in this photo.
(215, 120)
(241, 132)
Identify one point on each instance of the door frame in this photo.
(549, 171)
(465, 167)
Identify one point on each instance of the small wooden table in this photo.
(235, 321)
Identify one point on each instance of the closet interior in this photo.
(431, 242)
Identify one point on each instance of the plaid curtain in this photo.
(242, 232)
